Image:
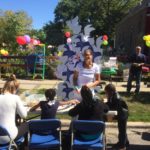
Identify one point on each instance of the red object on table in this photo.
(145, 69)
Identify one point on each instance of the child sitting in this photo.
(50, 106)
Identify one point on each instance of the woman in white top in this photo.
(87, 73)
(10, 105)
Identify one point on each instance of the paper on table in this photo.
(112, 113)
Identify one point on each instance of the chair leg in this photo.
(12, 145)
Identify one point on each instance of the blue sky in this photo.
(41, 11)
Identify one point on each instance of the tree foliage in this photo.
(38, 34)
(13, 24)
(102, 14)
(54, 33)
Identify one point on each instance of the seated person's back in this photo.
(89, 108)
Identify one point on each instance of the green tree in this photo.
(54, 33)
(13, 24)
(38, 34)
(102, 14)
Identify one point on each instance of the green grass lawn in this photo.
(139, 105)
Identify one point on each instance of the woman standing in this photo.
(87, 73)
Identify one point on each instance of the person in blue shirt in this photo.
(137, 61)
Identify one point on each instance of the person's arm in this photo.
(21, 110)
(96, 82)
(75, 78)
(138, 64)
(35, 107)
(74, 111)
(106, 108)
(73, 101)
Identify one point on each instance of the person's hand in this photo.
(31, 110)
(135, 64)
(77, 89)
(141, 64)
(74, 101)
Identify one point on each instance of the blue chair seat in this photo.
(42, 141)
(88, 134)
(96, 143)
(45, 134)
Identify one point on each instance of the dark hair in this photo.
(110, 88)
(87, 97)
(50, 94)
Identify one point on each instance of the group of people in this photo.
(87, 106)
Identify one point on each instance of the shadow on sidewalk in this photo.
(66, 143)
(146, 136)
(133, 147)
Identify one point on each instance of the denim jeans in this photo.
(137, 76)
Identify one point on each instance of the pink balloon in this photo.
(21, 40)
(35, 42)
(68, 40)
(38, 41)
(27, 38)
(31, 41)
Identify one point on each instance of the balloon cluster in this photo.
(146, 38)
(67, 35)
(4, 52)
(22, 40)
(105, 40)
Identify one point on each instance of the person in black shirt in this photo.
(50, 106)
(89, 108)
(137, 60)
(115, 103)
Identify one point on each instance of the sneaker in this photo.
(128, 93)
(127, 144)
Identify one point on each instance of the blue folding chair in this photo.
(88, 134)
(45, 134)
(12, 144)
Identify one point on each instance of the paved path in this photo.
(40, 84)
(138, 134)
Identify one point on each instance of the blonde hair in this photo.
(11, 85)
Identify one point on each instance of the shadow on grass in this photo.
(142, 97)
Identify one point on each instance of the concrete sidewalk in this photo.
(40, 84)
(146, 125)
(138, 134)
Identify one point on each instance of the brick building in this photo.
(130, 31)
